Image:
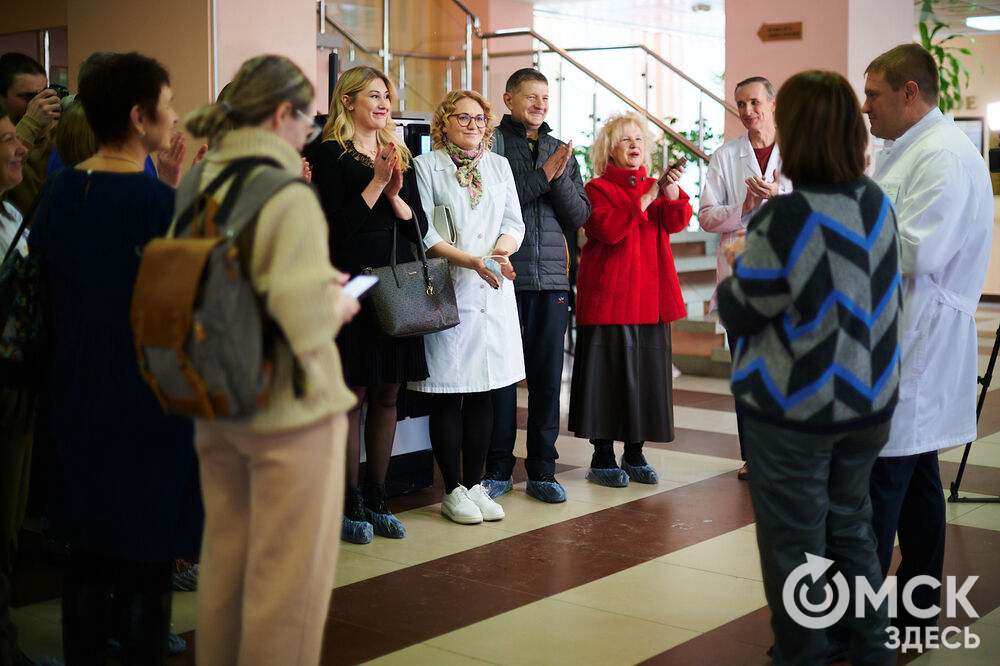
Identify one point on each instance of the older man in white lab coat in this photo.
(941, 189)
(742, 175)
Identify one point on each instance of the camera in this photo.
(60, 91)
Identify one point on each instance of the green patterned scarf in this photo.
(468, 174)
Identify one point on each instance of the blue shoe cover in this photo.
(641, 473)
(385, 524)
(546, 491)
(356, 531)
(613, 477)
(175, 645)
(495, 488)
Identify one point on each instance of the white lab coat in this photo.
(484, 351)
(941, 189)
(725, 189)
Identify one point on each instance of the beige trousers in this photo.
(273, 506)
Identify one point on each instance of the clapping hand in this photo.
(557, 161)
(386, 161)
(169, 160)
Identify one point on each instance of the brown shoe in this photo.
(742, 474)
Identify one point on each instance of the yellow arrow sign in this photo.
(772, 32)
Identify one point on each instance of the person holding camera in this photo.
(35, 109)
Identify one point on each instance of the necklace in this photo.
(120, 159)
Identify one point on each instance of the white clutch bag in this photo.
(444, 224)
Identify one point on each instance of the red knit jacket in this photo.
(627, 273)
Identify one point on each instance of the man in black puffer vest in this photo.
(552, 202)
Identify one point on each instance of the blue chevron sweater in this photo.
(815, 300)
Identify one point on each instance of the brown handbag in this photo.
(415, 298)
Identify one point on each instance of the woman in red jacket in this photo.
(627, 295)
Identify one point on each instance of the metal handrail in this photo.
(576, 49)
(347, 35)
(666, 129)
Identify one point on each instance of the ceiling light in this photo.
(983, 22)
(993, 115)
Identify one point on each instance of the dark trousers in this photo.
(17, 415)
(104, 597)
(544, 316)
(810, 495)
(907, 498)
(739, 410)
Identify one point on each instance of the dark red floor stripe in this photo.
(380, 615)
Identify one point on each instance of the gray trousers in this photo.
(810, 495)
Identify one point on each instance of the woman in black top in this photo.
(363, 175)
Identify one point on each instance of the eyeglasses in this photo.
(464, 119)
(316, 127)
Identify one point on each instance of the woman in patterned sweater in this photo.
(814, 301)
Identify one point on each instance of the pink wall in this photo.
(248, 28)
(838, 35)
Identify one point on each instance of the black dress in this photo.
(361, 237)
(122, 475)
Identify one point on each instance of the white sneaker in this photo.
(490, 509)
(458, 506)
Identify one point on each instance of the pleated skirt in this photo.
(622, 383)
(371, 358)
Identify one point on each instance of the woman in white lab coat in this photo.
(484, 351)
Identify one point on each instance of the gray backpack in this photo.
(202, 336)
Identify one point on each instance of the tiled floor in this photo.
(665, 574)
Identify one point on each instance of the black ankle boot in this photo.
(377, 513)
(633, 455)
(604, 454)
(375, 498)
(354, 505)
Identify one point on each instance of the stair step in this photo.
(695, 264)
(722, 355)
(699, 366)
(691, 236)
(696, 323)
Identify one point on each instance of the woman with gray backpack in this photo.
(272, 479)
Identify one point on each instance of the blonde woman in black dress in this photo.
(366, 185)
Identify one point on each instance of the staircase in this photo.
(699, 345)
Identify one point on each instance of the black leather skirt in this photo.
(622, 383)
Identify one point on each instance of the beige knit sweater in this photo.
(291, 268)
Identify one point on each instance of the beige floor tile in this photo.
(429, 535)
(578, 488)
(183, 612)
(984, 452)
(39, 629)
(682, 467)
(731, 554)
(711, 420)
(425, 655)
(955, 510)
(550, 631)
(985, 516)
(672, 595)
(354, 565)
(524, 513)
